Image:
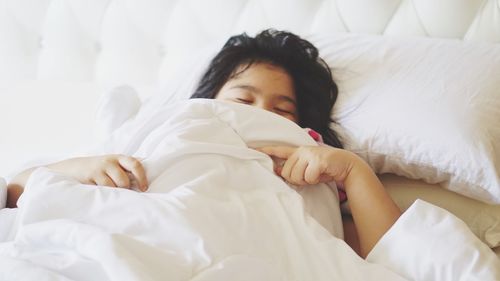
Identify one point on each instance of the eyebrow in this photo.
(258, 92)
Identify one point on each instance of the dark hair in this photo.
(315, 90)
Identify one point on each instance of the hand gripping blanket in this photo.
(215, 210)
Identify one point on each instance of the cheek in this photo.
(292, 118)
(219, 95)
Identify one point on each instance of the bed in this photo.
(418, 101)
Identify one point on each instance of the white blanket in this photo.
(216, 211)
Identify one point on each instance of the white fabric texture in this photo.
(481, 218)
(7, 219)
(252, 130)
(214, 211)
(471, 259)
(115, 108)
(3, 193)
(421, 108)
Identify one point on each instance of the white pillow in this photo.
(421, 108)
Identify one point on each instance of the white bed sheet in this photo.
(216, 211)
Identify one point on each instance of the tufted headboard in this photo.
(137, 41)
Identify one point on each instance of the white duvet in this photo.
(216, 211)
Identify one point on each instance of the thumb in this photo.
(283, 152)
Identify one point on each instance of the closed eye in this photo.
(246, 101)
(284, 111)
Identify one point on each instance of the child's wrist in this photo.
(14, 191)
(358, 173)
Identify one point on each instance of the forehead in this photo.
(265, 76)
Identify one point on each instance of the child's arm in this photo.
(107, 170)
(372, 208)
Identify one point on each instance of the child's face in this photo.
(265, 86)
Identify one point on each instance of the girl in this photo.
(282, 73)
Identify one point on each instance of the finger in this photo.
(103, 180)
(283, 152)
(135, 167)
(312, 174)
(118, 176)
(286, 171)
(298, 170)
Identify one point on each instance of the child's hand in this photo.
(108, 170)
(312, 164)
(373, 210)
